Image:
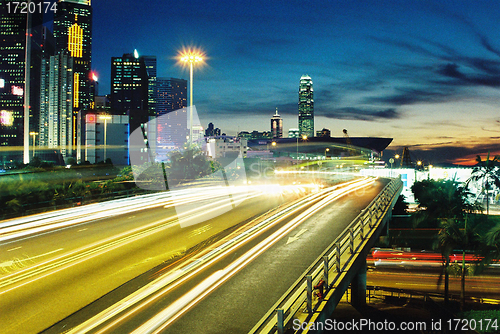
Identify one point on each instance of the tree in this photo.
(441, 199)
(487, 173)
(188, 164)
(401, 206)
(455, 235)
(447, 202)
(491, 245)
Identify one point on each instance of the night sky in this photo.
(426, 73)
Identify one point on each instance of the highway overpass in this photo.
(118, 266)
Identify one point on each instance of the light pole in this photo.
(419, 163)
(33, 133)
(397, 157)
(105, 118)
(304, 137)
(326, 150)
(191, 57)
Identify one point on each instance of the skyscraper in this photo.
(171, 95)
(73, 32)
(171, 107)
(15, 44)
(277, 126)
(306, 106)
(61, 125)
(150, 63)
(131, 87)
(47, 52)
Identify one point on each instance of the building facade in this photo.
(225, 147)
(293, 133)
(14, 71)
(277, 126)
(306, 106)
(73, 32)
(324, 133)
(130, 87)
(172, 121)
(60, 130)
(106, 137)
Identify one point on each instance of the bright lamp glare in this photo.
(189, 56)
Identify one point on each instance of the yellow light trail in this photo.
(167, 316)
(188, 272)
(165, 284)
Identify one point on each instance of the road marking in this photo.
(131, 217)
(296, 237)
(417, 284)
(9, 250)
(54, 251)
(83, 229)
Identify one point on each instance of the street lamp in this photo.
(191, 57)
(105, 118)
(419, 163)
(326, 150)
(34, 134)
(397, 158)
(304, 137)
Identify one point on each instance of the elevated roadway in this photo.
(49, 273)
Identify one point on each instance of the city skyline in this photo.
(425, 73)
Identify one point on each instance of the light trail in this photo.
(144, 297)
(187, 271)
(87, 252)
(43, 269)
(15, 229)
(167, 316)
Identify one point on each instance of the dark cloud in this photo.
(441, 153)
(360, 114)
(406, 96)
(453, 71)
(488, 130)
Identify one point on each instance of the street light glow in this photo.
(189, 57)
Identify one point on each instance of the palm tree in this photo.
(487, 173)
(492, 245)
(452, 237)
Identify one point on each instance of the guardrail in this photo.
(330, 265)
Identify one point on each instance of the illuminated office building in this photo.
(73, 32)
(13, 66)
(277, 125)
(306, 106)
(131, 84)
(171, 108)
(60, 123)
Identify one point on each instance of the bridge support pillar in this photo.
(358, 287)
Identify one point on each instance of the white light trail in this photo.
(165, 284)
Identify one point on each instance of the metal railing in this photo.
(330, 265)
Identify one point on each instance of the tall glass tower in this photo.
(172, 101)
(73, 32)
(133, 92)
(306, 106)
(20, 59)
